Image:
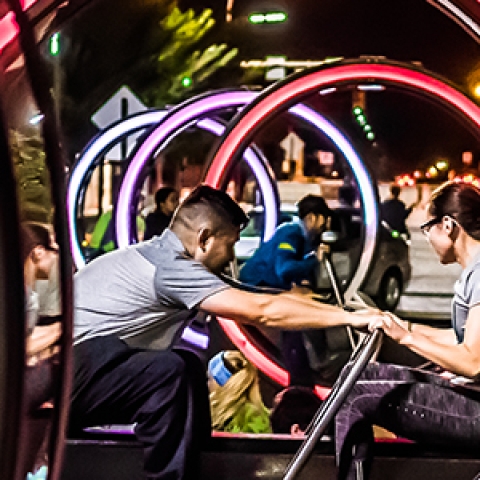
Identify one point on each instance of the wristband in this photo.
(409, 326)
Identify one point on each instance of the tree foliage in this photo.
(150, 46)
(33, 179)
(181, 59)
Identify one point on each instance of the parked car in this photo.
(390, 269)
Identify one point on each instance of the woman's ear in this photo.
(449, 224)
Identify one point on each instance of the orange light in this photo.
(405, 180)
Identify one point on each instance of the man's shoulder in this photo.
(289, 228)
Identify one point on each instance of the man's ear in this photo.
(203, 236)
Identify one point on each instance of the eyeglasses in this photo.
(425, 227)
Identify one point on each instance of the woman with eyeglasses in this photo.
(432, 408)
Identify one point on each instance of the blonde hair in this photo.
(240, 389)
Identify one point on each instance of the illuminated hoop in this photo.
(291, 90)
(99, 145)
(106, 139)
(459, 16)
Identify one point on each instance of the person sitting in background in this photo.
(236, 403)
(293, 410)
(166, 201)
(47, 282)
(40, 260)
(289, 258)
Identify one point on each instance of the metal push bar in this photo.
(340, 390)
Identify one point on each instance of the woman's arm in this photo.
(445, 336)
(459, 358)
(43, 337)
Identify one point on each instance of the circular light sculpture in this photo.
(112, 135)
(292, 90)
(87, 161)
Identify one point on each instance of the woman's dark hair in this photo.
(32, 235)
(162, 194)
(461, 201)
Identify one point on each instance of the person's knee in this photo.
(169, 366)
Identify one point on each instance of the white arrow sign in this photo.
(120, 105)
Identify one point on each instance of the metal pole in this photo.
(334, 401)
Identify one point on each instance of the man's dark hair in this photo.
(297, 405)
(162, 194)
(395, 190)
(220, 207)
(313, 204)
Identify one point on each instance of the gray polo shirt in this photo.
(467, 295)
(144, 293)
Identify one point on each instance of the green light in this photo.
(361, 119)
(54, 44)
(275, 17)
(270, 17)
(357, 111)
(395, 234)
(187, 82)
(256, 18)
(367, 128)
(371, 136)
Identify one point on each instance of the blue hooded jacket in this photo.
(285, 259)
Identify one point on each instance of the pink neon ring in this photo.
(253, 117)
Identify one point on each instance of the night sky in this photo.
(412, 130)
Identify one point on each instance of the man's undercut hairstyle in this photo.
(205, 202)
(313, 204)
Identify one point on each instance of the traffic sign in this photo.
(120, 105)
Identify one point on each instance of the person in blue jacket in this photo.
(290, 259)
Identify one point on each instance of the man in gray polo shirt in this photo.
(131, 305)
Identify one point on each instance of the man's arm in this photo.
(288, 311)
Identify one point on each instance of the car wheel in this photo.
(389, 291)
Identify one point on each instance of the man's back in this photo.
(279, 262)
(394, 212)
(138, 293)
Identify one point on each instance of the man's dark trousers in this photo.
(163, 392)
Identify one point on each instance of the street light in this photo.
(268, 17)
(228, 11)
